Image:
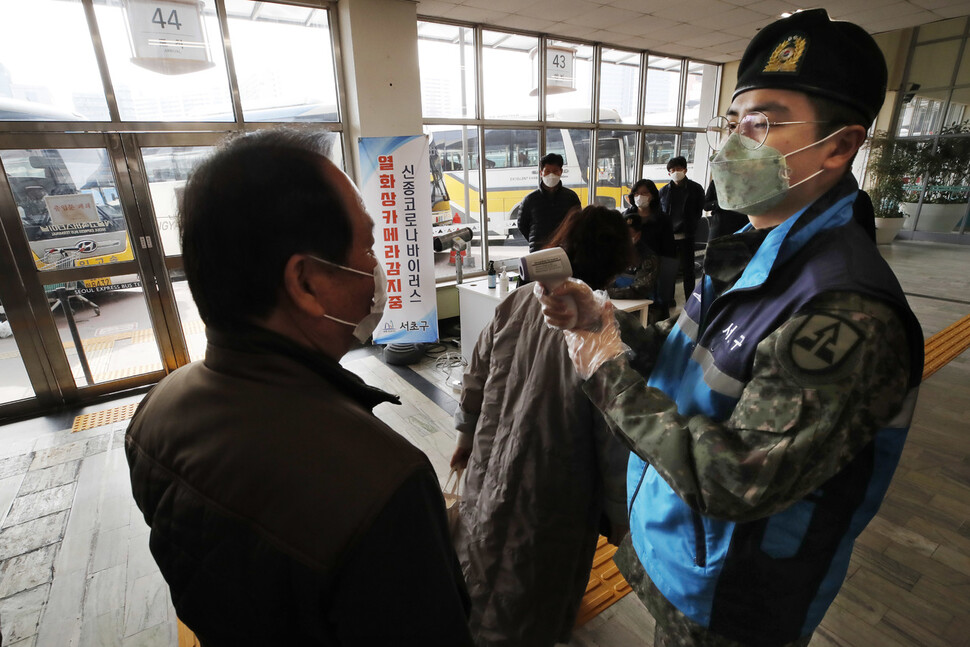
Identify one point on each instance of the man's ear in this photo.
(304, 285)
(844, 146)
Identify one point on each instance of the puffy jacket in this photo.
(542, 211)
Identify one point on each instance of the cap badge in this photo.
(787, 55)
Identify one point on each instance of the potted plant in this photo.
(889, 168)
(946, 167)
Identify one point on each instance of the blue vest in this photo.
(769, 581)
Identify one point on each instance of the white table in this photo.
(476, 307)
(477, 303)
(634, 305)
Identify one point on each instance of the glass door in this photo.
(94, 301)
(163, 162)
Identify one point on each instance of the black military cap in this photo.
(810, 53)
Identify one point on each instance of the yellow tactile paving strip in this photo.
(945, 345)
(103, 417)
(605, 586)
(117, 374)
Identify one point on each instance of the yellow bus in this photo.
(93, 232)
(511, 170)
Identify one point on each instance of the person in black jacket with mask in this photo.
(682, 200)
(545, 208)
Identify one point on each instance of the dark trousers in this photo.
(685, 255)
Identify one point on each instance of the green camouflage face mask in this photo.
(752, 179)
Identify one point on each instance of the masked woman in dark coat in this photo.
(651, 275)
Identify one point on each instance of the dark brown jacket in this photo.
(284, 512)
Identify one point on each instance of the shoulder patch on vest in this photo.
(822, 343)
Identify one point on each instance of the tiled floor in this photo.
(75, 567)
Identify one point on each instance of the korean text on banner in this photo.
(395, 174)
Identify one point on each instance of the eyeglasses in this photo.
(753, 129)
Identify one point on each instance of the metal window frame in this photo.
(42, 353)
(543, 123)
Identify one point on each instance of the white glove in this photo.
(590, 349)
(588, 323)
(570, 305)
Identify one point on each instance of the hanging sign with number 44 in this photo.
(168, 37)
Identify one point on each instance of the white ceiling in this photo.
(711, 30)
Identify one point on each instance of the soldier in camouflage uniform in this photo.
(766, 422)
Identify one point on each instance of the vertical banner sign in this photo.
(395, 174)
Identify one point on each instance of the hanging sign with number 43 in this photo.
(168, 37)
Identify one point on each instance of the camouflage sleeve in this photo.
(800, 419)
(643, 281)
(644, 343)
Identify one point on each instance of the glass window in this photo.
(48, 71)
(573, 145)
(663, 87)
(694, 147)
(192, 327)
(455, 192)
(657, 149)
(186, 82)
(14, 381)
(446, 56)
(167, 169)
(115, 338)
(509, 73)
(615, 166)
(923, 114)
(700, 95)
(273, 46)
(569, 81)
(963, 75)
(69, 207)
(942, 29)
(619, 85)
(511, 173)
(959, 110)
(932, 65)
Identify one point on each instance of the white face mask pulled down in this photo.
(752, 181)
(364, 328)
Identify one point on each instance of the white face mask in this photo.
(642, 201)
(551, 179)
(677, 176)
(364, 328)
(754, 181)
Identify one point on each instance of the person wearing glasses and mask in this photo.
(543, 210)
(766, 422)
(282, 511)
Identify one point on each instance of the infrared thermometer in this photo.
(549, 267)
